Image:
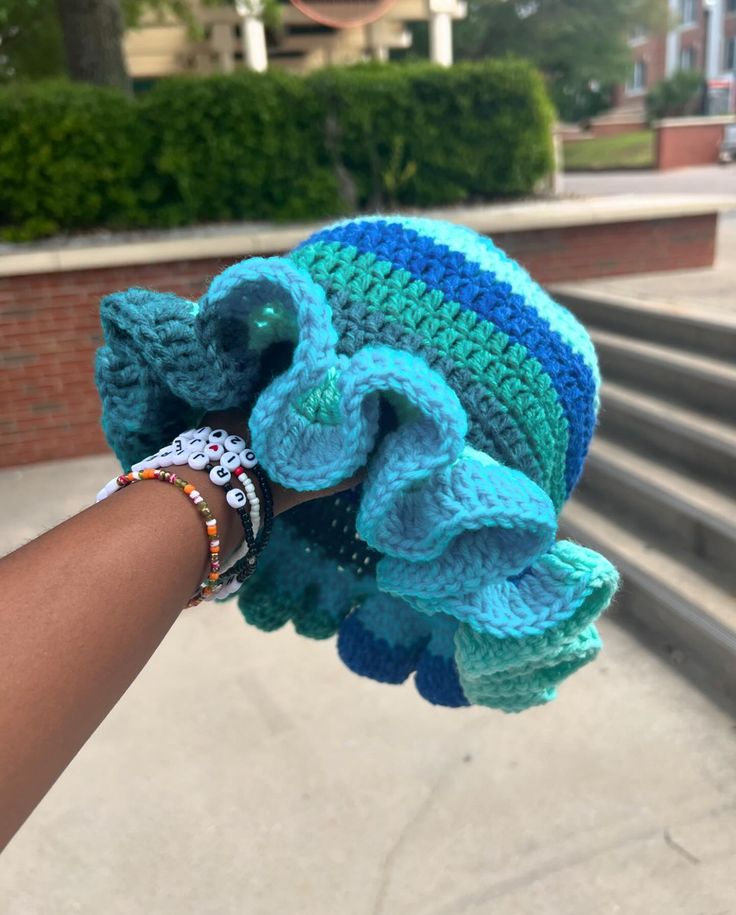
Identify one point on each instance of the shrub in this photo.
(71, 157)
(269, 146)
(419, 135)
(243, 146)
(681, 94)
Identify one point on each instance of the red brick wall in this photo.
(694, 37)
(680, 146)
(583, 252)
(729, 31)
(653, 52)
(49, 328)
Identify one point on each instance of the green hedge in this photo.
(269, 146)
(71, 157)
(246, 146)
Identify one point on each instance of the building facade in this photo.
(702, 37)
(233, 36)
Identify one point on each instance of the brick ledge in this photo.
(253, 241)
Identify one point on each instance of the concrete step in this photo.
(706, 334)
(674, 436)
(679, 611)
(697, 382)
(689, 520)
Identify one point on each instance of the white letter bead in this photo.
(214, 451)
(234, 443)
(140, 465)
(203, 431)
(198, 460)
(248, 459)
(180, 457)
(195, 444)
(236, 498)
(217, 435)
(230, 460)
(190, 433)
(166, 457)
(151, 462)
(220, 475)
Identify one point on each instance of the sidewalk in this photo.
(701, 179)
(252, 773)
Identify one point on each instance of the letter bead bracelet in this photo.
(223, 457)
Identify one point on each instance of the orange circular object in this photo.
(343, 14)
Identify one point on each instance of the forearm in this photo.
(82, 609)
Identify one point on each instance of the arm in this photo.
(82, 609)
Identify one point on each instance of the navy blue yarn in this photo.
(373, 657)
(476, 289)
(437, 680)
(365, 654)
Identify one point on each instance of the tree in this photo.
(30, 40)
(35, 33)
(578, 44)
(93, 33)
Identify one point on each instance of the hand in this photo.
(236, 421)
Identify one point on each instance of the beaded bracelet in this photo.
(199, 448)
(220, 446)
(246, 566)
(237, 499)
(208, 586)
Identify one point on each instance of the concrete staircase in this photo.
(658, 496)
(630, 114)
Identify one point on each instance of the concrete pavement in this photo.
(252, 773)
(701, 179)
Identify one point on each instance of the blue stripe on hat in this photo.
(477, 290)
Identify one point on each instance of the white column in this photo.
(714, 57)
(672, 54)
(253, 34)
(375, 42)
(440, 39)
(440, 30)
(222, 42)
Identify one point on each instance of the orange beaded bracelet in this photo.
(208, 587)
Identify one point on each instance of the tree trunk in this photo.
(93, 34)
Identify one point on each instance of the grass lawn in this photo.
(628, 150)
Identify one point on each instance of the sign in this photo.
(718, 98)
(343, 14)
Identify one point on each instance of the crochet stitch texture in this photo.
(421, 350)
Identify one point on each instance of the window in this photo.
(688, 12)
(639, 34)
(688, 58)
(731, 6)
(731, 54)
(638, 79)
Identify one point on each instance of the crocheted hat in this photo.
(421, 350)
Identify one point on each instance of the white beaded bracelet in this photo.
(226, 454)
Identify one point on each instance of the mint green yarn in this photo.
(322, 403)
(271, 323)
(537, 683)
(514, 377)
